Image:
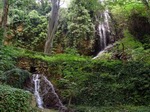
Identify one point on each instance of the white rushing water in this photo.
(104, 29)
(36, 90)
(45, 94)
(103, 51)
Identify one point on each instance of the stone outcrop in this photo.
(33, 65)
(47, 93)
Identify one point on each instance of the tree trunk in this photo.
(5, 14)
(3, 21)
(52, 26)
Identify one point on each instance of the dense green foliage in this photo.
(134, 17)
(14, 100)
(99, 82)
(23, 23)
(80, 27)
(15, 77)
(113, 109)
(6, 57)
(103, 83)
(77, 27)
(117, 78)
(131, 49)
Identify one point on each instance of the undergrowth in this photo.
(15, 100)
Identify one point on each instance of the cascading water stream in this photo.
(103, 30)
(36, 81)
(45, 94)
(53, 91)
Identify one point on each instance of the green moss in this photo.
(52, 58)
(14, 100)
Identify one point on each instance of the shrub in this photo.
(15, 77)
(100, 83)
(115, 84)
(113, 109)
(83, 81)
(146, 40)
(6, 57)
(14, 100)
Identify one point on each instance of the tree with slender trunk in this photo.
(3, 21)
(52, 26)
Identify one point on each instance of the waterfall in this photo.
(103, 31)
(103, 51)
(44, 92)
(52, 91)
(36, 90)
